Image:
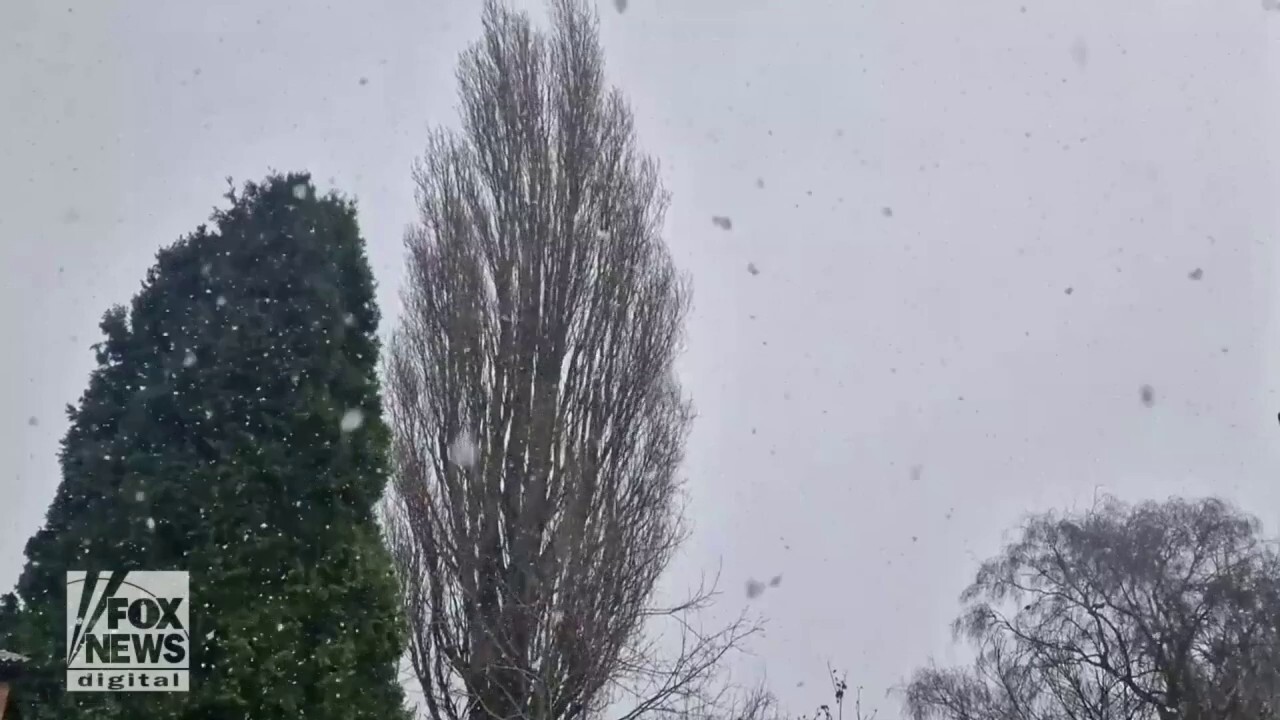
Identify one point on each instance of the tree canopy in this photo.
(1160, 610)
(233, 429)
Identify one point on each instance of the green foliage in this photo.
(211, 440)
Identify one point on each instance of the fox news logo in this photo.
(127, 631)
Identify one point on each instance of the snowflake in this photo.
(463, 451)
(352, 420)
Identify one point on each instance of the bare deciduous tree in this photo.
(538, 421)
(839, 688)
(760, 704)
(1159, 611)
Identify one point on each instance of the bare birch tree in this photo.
(538, 421)
(1163, 611)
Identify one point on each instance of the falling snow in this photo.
(1196, 274)
(1148, 395)
(751, 268)
(222, 300)
(189, 359)
(463, 451)
(151, 523)
(755, 589)
(722, 222)
(352, 419)
(1080, 52)
(300, 191)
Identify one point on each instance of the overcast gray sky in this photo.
(1053, 174)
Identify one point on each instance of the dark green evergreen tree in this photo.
(233, 428)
